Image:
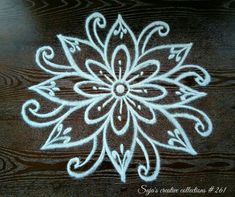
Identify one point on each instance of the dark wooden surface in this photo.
(25, 25)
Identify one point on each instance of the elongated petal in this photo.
(60, 89)
(92, 89)
(120, 118)
(100, 109)
(77, 52)
(148, 92)
(102, 73)
(120, 148)
(170, 56)
(170, 136)
(143, 73)
(120, 62)
(140, 109)
(69, 131)
(120, 34)
(177, 93)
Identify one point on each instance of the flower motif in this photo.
(123, 94)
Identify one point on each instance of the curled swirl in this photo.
(43, 57)
(160, 27)
(76, 162)
(143, 170)
(98, 20)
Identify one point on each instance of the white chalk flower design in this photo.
(123, 91)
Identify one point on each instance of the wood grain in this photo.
(25, 25)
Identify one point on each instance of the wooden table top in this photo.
(26, 25)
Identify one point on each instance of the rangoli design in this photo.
(122, 91)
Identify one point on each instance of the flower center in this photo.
(120, 89)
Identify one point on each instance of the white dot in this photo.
(120, 89)
(99, 108)
(178, 93)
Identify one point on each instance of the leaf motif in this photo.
(61, 136)
(171, 133)
(66, 131)
(179, 53)
(121, 161)
(176, 138)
